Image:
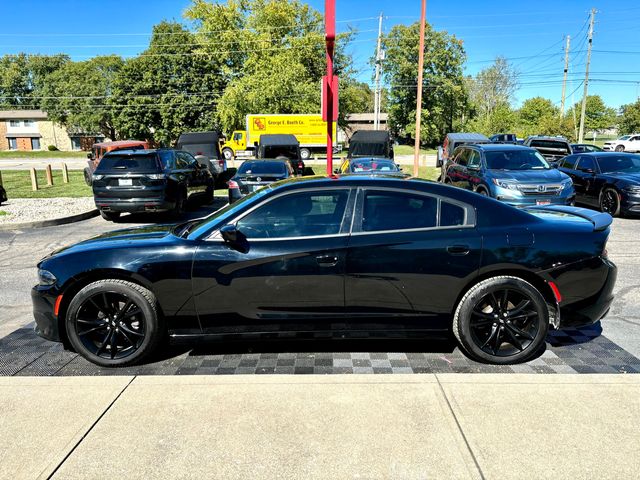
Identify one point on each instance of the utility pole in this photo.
(416, 154)
(379, 57)
(329, 84)
(566, 70)
(586, 77)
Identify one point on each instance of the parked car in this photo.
(370, 166)
(149, 181)
(281, 146)
(553, 149)
(367, 255)
(626, 143)
(504, 138)
(205, 147)
(99, 150)
(453, 141)
(513, 174)
(255, 174)
(609, 181)
(370, 143)
(584, 148)
(3, 195)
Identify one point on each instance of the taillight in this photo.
(556, 291)
(233, 184)
(221, 163)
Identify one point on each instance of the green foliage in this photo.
(76, 95)
(444, 92)
(52, 148)
(534, 109)
(23, 77)
(501, 120)
(630, 118)
(493, 88)
(597, 115)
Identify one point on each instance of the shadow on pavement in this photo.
(195, 209)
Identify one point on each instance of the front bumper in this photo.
(630, 203)
(532, 200)
(47, 325)
(134, 204)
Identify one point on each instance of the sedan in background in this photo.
(255, 174)
(337, 256)
(609, 181)
(370, 166)
(584, 148)
(514, 174)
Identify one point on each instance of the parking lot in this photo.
(610, 347)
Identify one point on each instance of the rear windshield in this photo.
(620, 163)
(206, 149)
(375, 165)
(516, 160)
(368, 149)
(263, 168)
(275, 151)
(129, 163)
(551, 144)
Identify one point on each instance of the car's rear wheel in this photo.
(501, 320)
(88, 177)
(228, 153)
(610, 202)
(305, 153)
(619, 148)
(110, 216)
(114, 323)
(482, 192)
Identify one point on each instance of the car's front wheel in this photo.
(620, 148)
(610, 202)
(228, 153)
(114, 323)
(502, 320)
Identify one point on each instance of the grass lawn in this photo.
(17, 183)
(2, 212)
(428, 173)
(41, 154)
(409, 149)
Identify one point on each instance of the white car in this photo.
(626, 143)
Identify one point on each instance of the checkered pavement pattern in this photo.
(569, 351)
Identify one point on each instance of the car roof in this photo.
(266, 160)
(198, 137)
(496, 147)
(377, 159)
(370, 136)
(279, 139)
(547, 137)
(465, 137)
(120, 143)
(148, 151)
(605, 154)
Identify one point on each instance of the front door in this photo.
(584, 181)
(409, 256)
(289, 276)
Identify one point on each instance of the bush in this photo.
(52, 148)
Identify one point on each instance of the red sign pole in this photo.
(330, 37)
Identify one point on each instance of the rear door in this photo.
(409, 256)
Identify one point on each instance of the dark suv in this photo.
(553, 149)
(514, 174)
(149, 181)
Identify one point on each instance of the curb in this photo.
(53, 222)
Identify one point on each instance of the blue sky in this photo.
(533, 30)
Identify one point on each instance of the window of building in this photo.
(29, 123)
(35, 144)
(14, 123)
(75, 143)
(13, 144)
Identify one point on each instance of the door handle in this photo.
(458, 250)
(327, 260)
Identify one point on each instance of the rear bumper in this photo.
(46, 322)
(134, 204)
(595, 307)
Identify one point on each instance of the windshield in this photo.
(625, 137)
(129, 163)
(516, 160)
(206, 149)
(620, 163)
(262, 168)
(373, 165)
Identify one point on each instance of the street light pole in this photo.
(416, 155)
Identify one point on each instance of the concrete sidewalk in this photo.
(373, 426)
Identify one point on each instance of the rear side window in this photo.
(398, 211)
(451, 215)
(129, 163)
(570, 162)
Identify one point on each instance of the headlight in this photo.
(45, 277)
(567, 184)
(155, 176)
(505, 184)
(97, 177)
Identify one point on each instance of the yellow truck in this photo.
(310, 130)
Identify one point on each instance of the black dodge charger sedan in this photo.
(359, 254)
(607, 180)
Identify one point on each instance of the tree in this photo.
(22, 78)
(444, 92)
(493, 87)
(536, 108)
(170, 88)
(502, 119)
(630, 118)
(597, 115)
(77, 95)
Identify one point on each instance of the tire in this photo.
(228, 153)
(88, 177)
(619, 148)
(610, 202)
(305, 153)
(181, 202)
(126, 329)
(501, 336)
(110, 216)
(483, 192)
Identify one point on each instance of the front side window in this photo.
(570, 162)
(297, 215)
(474, 159)
(166, 158)
(586, 164)
(181, 161)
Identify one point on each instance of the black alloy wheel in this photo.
(610, 202)
(502, 320)
(113, 323)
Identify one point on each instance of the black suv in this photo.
(149, 181)
(553, 149)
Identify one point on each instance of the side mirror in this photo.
(474, 168)
(230, 233)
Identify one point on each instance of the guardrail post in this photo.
(65, 173)
(0, 178)
(49, 176)
(34, 180)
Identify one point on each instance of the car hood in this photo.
(631, 178)
(530, 176)
(126, 238)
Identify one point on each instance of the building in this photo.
(28, 130)
(360, 121)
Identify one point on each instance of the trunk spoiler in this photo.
(600, 221)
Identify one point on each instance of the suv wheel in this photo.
(305, 153)
(228, 153)
(110, 216)
(619, 148)
(502, 320)
(87, 177)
